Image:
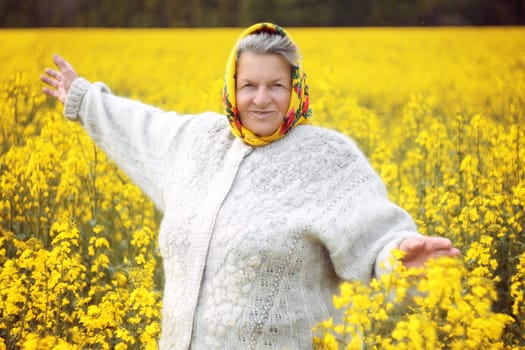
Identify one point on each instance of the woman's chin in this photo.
(262, 127)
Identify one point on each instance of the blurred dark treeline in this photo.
(235, 13)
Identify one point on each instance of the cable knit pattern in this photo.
(255, 241)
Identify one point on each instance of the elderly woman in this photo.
(264, 214)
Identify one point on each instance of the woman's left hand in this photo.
(418, 250)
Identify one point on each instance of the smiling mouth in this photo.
(261, 114)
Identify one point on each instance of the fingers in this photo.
(52, 78)
(411, 244)
(419, 250)
(434, 254)
(443, 246)
(426, 244)
(58, 81)
(53, 73)
(50, 92)
(439, 243)
(66, 69)
(440, 247)
(61, 63)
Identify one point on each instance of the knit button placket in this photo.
(221, 189)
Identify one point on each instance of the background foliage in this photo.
(232, 13)
(439, 112)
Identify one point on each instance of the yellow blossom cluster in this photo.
(78, 256)
(438, 111)
(437, 308)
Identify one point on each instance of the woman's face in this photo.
(263, 90)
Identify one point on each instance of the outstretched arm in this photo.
(138, 137)
(418, 250)
(59, 81)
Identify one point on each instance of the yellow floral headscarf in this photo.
(299, 110)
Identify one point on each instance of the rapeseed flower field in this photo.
(440, 112)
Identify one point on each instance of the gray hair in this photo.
(268, 43)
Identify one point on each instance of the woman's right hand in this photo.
(60, 80)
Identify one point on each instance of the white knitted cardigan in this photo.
(255, 241)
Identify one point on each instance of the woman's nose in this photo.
(262, 97)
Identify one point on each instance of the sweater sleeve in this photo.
(134, 135)
(363, 226)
